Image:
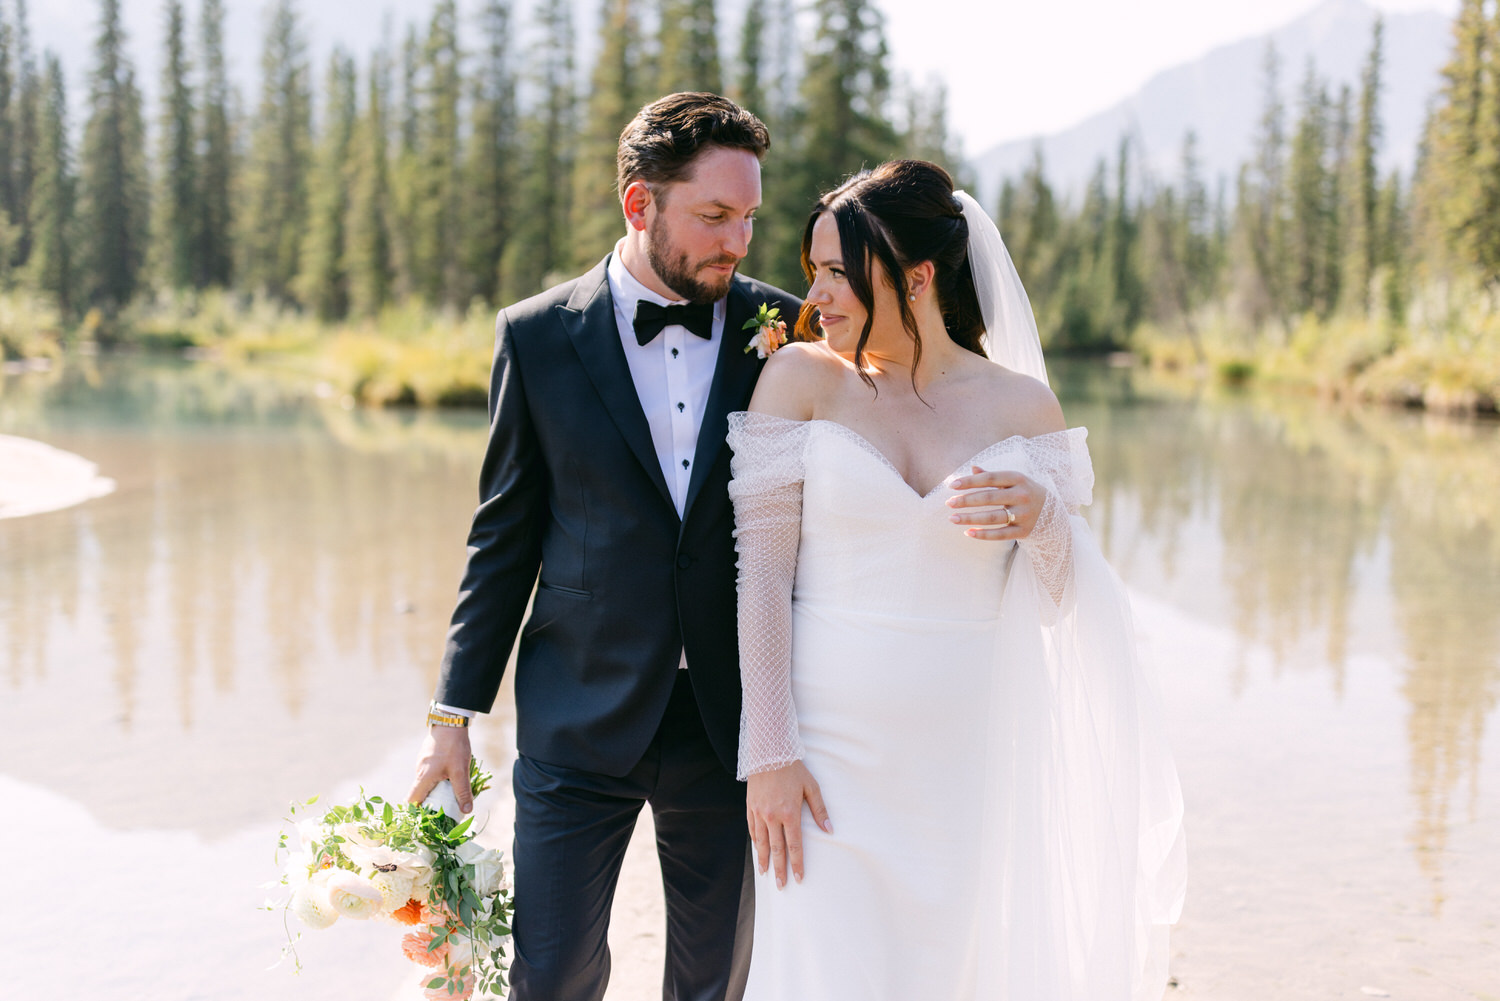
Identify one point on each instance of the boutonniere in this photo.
(770, 332)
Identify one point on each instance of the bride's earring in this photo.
(911, 296)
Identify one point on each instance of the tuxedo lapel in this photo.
(734, 378)
(589, 318)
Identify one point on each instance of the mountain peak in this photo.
(1220, 95)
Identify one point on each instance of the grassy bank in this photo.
(406, 356)
(1446, 360)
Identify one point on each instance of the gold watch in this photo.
(436, 717)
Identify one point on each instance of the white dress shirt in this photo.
(672, 373)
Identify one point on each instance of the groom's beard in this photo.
(672, 267)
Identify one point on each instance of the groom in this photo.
(607, 471)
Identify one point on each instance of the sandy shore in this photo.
(35, 478)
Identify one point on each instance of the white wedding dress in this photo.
(1006, 815)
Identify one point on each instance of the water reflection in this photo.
(257, 611)
(260, 606)
(1316, 532)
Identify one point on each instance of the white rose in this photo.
(489, 873)
(352, 895)
(311, 904)
(488, 863)
(353, 836)
(442, 798)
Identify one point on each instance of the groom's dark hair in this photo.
(663, 140)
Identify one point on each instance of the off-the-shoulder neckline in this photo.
(963, 467)
(1072, 432)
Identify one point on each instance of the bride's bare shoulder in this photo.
(793, 379)
(1026, 406)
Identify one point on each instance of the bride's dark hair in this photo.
(901, 213)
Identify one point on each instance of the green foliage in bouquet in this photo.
(416, 865)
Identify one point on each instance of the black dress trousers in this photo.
(572, 828)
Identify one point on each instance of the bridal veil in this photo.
(1082, 801)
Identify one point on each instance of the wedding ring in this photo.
(1010, 516)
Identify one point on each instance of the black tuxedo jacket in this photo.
(571, 486)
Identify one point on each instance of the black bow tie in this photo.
(650, 318)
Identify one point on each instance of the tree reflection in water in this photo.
(262, 602)
(1312, 509)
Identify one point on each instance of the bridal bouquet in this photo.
(415, 866)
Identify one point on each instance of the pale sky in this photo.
(1017, 68)
(1014, 68)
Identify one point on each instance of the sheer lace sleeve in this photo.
(767, 493)
(1060, 464)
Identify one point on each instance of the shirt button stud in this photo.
(681, 407)
(684, 463)
(674, 352)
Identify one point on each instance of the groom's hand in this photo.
(773, 806)
(445, 755)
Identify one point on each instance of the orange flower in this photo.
(409, 913)
(414, 948)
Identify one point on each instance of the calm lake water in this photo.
(256, 613)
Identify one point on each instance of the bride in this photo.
(992, 812)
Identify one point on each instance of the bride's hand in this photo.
(773, 805)
(996, 491)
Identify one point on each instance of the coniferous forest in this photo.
(456, 169)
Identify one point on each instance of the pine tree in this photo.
(1362, 190)
(1450, 178)
(322, 285)
(1393, 235)
(1079, 284)
(926, 135)
(844, 126)
(406, 180)
(688, 47)
(615, 95)
(845, 90)
(1261, 226)
(1036, 224)
(113, 194)
(52, 265)
(749, 87)
(9, 210)
(216, 163)
(1176, 248)
(27, 112)
(783, 214)
(784, 41)
(1196, 232)
(1341, 143)
(489, 168)
(538, 253)
(367, 256)
(1006, 217)
(1124, 231)
(178, 210)
(437, 205)
(275, 210)
(1485, 238)
(1309, 190)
